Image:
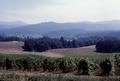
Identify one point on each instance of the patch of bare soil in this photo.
(75, 51)
(13, 46)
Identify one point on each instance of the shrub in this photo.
(2, 62)
(8, 64)
(83, 68)
(38, 63)
(50, 64)
(117, 64)
(67, 64)
(106, 67)
(24, 63)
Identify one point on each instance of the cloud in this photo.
(24, 4)
(59, 10)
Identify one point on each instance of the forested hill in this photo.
(71, 30)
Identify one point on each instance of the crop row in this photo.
(78, 65)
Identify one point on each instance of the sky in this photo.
(34, 11)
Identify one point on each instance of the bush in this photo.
(104, 68)
(117, 64)
(38, 63)
(2, 62)
(83, 68)
(50, 64)
(24, 63)
(67, 65)
(8, 64)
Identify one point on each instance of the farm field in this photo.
(16, 48)
(12, 46)
(87, 50)
(41, 68)
(18, 65)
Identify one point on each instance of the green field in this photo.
(77, 68)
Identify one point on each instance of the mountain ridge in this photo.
(49, 28)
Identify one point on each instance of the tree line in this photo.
(10, 38)
(108, 45)
(103, 44)
(46, 43)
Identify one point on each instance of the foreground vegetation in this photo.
(99, 65)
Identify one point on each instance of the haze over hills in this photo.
(53, 29)
(5, 25)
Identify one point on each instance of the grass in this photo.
(13, 77)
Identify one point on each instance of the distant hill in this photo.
(53, 29)
(6, 25)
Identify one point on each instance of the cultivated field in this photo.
(15, 47)
(18, 65)
(75, 51)
(41, 68)
(12, 46)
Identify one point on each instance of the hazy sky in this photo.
(34, 11)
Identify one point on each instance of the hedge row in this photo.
(78, 65)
